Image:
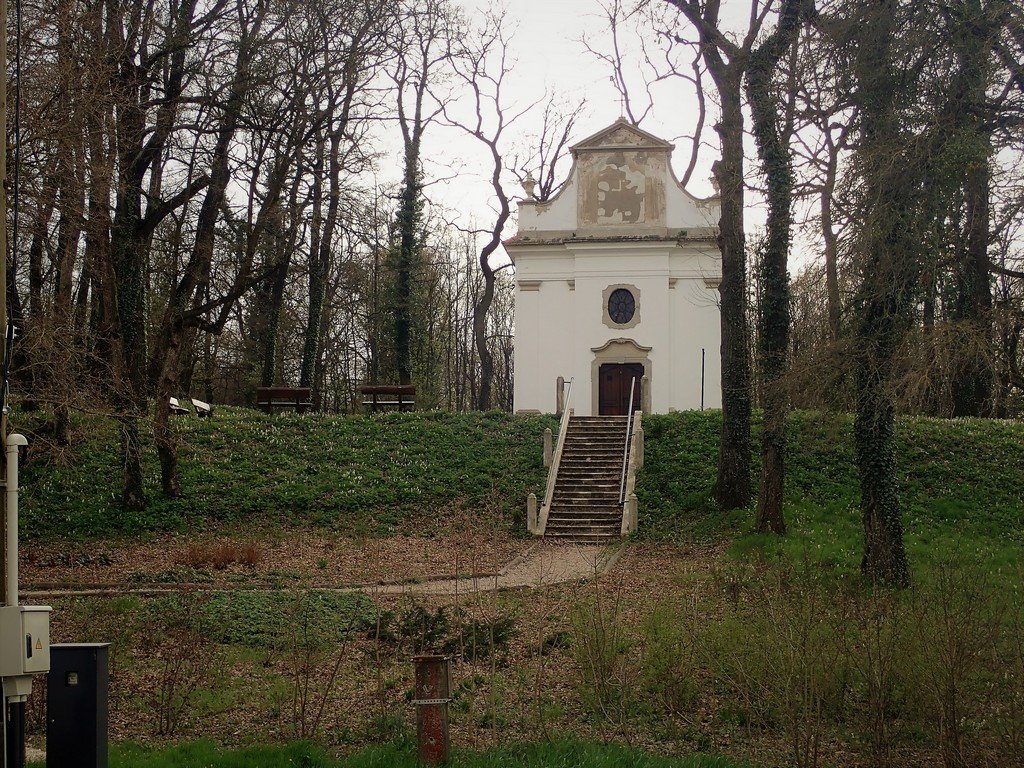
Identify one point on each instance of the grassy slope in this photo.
(357, 474)
(961, 484)
(566, 754)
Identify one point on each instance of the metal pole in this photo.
(3, 242)
(432, 697)
(625, 448)
(702, 378)
(15, 752)
(14, 712)
(11, 499)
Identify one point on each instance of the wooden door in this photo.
(613, 388)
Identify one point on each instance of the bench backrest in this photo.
(388, 389)
(264, 394)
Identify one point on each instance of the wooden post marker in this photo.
(432, 697)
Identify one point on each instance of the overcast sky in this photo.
(552, 62)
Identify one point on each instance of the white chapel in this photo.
(617, 285)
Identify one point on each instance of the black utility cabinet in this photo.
(76, 706)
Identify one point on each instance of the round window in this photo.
(621, 306)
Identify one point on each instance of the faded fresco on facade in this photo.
(622, 189)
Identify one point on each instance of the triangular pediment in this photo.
(622, 134)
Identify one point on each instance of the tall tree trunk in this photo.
(178, 326)
(888, 277)
(409, 211)
(483, 305)
(131, 232)
(320, 261)
(974, 382)
(772, 144)
(828, 234)
(315, 274)
(480, 310)
(732, 487)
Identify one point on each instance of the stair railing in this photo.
(625, 447)
(556, 460)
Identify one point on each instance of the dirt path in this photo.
(541, 565)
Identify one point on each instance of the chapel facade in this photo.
(617, 285)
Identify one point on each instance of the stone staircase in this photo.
(585, 506)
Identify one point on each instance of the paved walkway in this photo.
(544, 564)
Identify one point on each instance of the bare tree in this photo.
(546, 149)
(482, 64)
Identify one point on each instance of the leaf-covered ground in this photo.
(545, 755)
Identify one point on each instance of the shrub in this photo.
(956, 629)
(671, 664)
(599, 644)
(221, 554)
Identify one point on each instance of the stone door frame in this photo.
(621, 351)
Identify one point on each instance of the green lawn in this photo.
(561, 755)
(962, 482)
(356, 474)
(961, 488)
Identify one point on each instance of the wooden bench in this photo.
(203, 410)
(380, 397)
(177, 409)
(297, 399)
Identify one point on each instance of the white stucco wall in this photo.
(570, 251)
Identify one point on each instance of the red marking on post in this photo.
(432, 708)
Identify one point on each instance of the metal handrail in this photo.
(556, 459)
(625, 448)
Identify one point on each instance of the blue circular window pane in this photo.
(621, 306)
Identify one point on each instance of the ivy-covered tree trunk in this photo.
(888, 266)
(773, 148)
(885, 558)
(409, 212)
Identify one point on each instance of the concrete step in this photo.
(584, 510)
(584, 522)
(575, 503)
(583, 502)
(587, 489)
(588, 485)
(613, 531)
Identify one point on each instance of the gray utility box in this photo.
(76, 706)
(24, 640)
